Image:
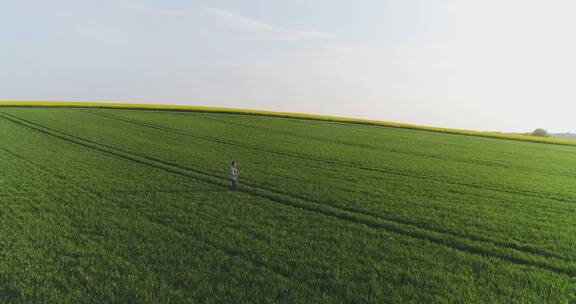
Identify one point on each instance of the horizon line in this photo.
(304, 116)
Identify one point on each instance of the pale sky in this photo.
(501, 65)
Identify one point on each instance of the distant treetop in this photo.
(540, 133)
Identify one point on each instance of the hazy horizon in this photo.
(485, 65)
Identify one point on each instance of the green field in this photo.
(104, 205)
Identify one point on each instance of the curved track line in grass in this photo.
(285, 115)
(525, 248)
(333, 141)
(299, 156)
(464, 245)
(388, 149)
(497, 188)
(509, 245)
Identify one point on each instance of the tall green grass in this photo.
(102, 205)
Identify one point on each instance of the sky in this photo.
(497, 65)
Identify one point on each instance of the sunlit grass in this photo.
(103, 205)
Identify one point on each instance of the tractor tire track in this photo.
(388, 171)
(510, 245)
(388, 149)
(456, 243)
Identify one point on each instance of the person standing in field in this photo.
(234, 176)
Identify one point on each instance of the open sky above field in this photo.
(485, 65)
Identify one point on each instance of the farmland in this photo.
(109, 205)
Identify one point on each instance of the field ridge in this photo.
(156, 107)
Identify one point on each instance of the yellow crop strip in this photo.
(556, 141)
